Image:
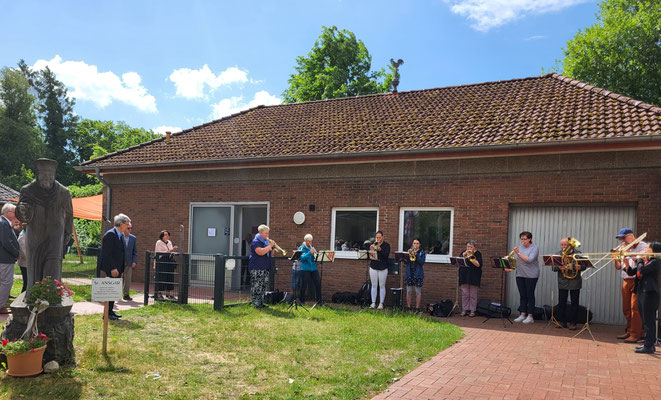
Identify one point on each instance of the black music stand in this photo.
(401, 257)
(504, 265)
(320, 257)
(458, 262)
(295, 303)
(553, 261)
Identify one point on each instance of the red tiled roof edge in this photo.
(606, 92)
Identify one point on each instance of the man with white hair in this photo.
(9, 252)
(113, 249)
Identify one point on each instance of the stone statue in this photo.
(395, 79)
(45, 206)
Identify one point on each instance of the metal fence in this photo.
(80, 268)
(215, 280)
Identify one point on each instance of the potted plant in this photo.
(25, 354)
(24, 357)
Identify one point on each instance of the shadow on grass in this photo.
(110, 367)
(122, 323)
(61, 385)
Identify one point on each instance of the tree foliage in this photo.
(621, 51)
(18, 128)
(96, 138)
(58, 121)
(337, 66)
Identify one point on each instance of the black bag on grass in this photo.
(365, 294)
(273, 297)
(441, 309)
(345, 298)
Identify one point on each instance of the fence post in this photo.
(185, 279)
(219, 283)
(147, 276)
(272, 275)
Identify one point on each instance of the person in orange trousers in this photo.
(629, 298)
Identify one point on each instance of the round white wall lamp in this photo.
(299, 217)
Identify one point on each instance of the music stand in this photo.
(553, 261)
(320, 257)
(401, 257)
(458, 262)
(585, 264)
(503, 264)
(295, 303)
(363, 255)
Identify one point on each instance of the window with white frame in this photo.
(432, 225)
(351, 227)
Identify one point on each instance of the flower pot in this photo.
(26, 364)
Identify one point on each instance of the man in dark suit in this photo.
(9, 252)
(131, 258)
(112, 254)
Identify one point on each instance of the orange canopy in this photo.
(88, 207)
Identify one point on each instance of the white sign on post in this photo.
(106, 289)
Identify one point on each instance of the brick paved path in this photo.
(532, 362)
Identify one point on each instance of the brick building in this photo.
(546, 154)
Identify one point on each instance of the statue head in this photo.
(45, 172)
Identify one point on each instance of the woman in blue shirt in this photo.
(415, 275)
(309, 272)
(259, 265)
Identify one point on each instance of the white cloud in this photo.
(164, 128)
(102, 88)
(535, 37)
(234, 105)
(191, 83)
(487, 14)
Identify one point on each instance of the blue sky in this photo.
(143, 62)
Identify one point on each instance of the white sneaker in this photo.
(529, 320)
(520, 318)
(380, 307)
(373, 305)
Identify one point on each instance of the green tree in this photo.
(337, 66)
(621, 51)
(18, 128)
(58, 121)
(96, 138)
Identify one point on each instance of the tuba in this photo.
(568, 261)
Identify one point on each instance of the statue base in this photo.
(56, 322)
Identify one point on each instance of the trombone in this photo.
(278, 248)
(618, 253)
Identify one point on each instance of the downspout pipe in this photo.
(109, 192)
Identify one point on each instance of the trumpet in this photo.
(278, 248)
(470, 255)
(411, 254)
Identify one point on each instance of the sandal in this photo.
(472, 314)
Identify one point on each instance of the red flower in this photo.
(4, 342)
(31, 350)
(60, 293)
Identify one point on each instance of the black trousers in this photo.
(649, 302)
(24, 274)
(562, 305)
(526, 288)
(311, 278)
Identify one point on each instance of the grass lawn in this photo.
(240, 352)
(80, 292)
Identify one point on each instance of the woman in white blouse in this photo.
(164, 265)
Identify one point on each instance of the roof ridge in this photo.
(607, 93)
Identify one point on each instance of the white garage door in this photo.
(595, 228)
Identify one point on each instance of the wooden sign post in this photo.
(106, 289)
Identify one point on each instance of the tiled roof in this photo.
(7, 193)
(550, 108)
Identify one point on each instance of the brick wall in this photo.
(481, 201)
